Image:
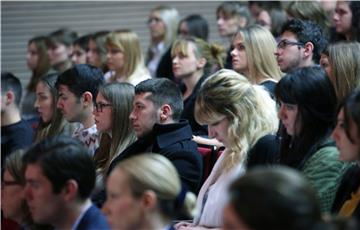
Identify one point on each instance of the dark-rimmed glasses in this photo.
(284, 43)
(99, 106)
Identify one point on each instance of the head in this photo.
(112, 109)
(60, 175)
(80, 47)
(156, 101)
(144, 188)
(77, 88)
(37, 60)
(96, 54)
(342, 64)
(307, 103)
(253, 54)
(237, 113)
(124, 53)
(346, 19)
(347, 130)
(301, 43)
(279, 196)
(192, 56)
(11, 92)
(194, 25)
(272, 18)
(13, 203)
(59, 45)
(163, 23)
(231, 16)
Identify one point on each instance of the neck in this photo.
(154, 221)
(10, 117)
(88, 120)
(70, 214)
(190, 81)
(157, 40)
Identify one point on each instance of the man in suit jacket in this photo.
(60, 176)
(156, 121)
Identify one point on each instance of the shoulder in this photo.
(93, 219)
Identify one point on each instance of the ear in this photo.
(148, 200)
(70, 191)
(10, 97)
(87, 98)
(309, 48)
(165, 113)
(201, 63)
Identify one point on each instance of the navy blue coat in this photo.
(93, 219)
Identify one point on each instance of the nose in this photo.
(233, 52)
(132, 115)
(28, 193)
(220, 21)
(59, 104)
(36, 104)
(335, 17)
(281, 112)
(335, 134)
(211, 131)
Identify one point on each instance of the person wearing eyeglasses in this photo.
(77, 89)
(300, 45)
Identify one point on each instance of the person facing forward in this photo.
(155, 117)
(77, 89)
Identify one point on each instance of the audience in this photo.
(253, 56)
(96, 53)
(163, 24)
(347, 137)
(194, 25)
(145, 192)
(300, 45)
(77, 89)
(307, 104)
(124, 58)
(238, 114)
(52, 122)
(80, 48)
(155, 117)
(60, 176)
(15, 132)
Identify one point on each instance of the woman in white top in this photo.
(238, 114)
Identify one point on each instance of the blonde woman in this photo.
(124, 58)
(253, 56)
(341, 62)
(238, 114)
(145, 192)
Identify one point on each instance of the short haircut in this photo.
(9, 82)
(82, 78)
(235, 9)
(197, 26)
(307, 31)
(61, 159)
(83, 42)
(163, 91)
(63, 36)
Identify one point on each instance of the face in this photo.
(115, 58)
(288, 116)
(103, 115)
(93, 55)
(290, 56)
(264, 19)
(44, 102)
(12, 197)
(44, 205)
(183, 30)
(156, 26)
(239, 59)
(122, 209)
(231, 220)
(144, 114)
(185, 66)
(348, 151)
(78, 55)
(32, 56)
(325, 64)
(342, 17)
(219, 130)
(227, 26)
(69, 104)
(58, 54)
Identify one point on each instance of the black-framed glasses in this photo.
(5, 183)
(99, 106)
(284, 43)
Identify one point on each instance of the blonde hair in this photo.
(213, 53)
(344, 59)
(249, 109)
(128, 43)
(260, 46)
(156, 173)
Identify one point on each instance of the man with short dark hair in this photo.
(156, 121)
(78, 88)
(15, 132)
(301, 43)
(60, 177)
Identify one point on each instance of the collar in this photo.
(169, 134)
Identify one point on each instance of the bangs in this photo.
(284, 92)
(113, 41)
(205, 112)
(180, 47)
